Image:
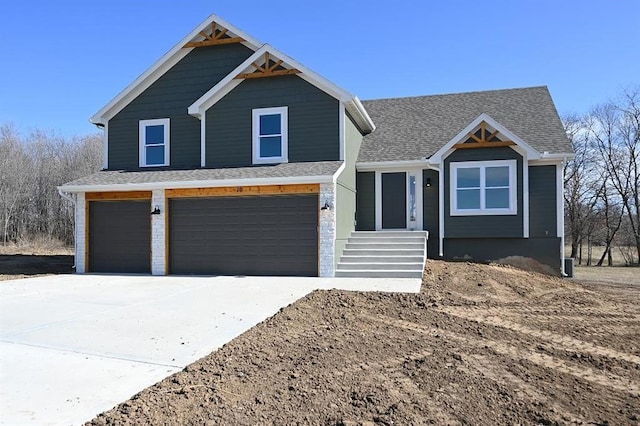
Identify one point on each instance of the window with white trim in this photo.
(154, 142)
(484, 188)
(270, 131)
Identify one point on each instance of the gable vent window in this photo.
(154, 142)
(270, 142)
(483, 188)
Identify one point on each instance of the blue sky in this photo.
(63, 60)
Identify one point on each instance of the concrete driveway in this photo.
(73, 346)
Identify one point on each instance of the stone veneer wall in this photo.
(158, 228)
(81, 242)
(327, 230)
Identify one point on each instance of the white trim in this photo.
(256, 113)
(441, 178)
(525, 196)
(338, 172)
(482, 165)
(217, 183)
(142, 125)
(393, 165)
(166, 62)
(503, 131)
(203, 141)
(217, 92)
(105, 147)
(341, 131)
(378, 199)
(549, 161)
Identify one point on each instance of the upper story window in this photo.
(270, 130)
(154, 142)
(484, 188)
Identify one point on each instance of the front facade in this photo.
(229, 157)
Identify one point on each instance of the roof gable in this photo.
(269, 61)
(202, 35)
(498, 131)
(415, 128)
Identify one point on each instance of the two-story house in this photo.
(229, 157)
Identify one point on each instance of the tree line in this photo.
(602, 183)
(31, 167)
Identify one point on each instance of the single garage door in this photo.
(120, 236)
(244, 235)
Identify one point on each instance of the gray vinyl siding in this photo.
(346, 188)
(366, 201)
(542, 202)
(503, 226)
(312, 117)
(544, 250)
(430, 209)
(169, 97)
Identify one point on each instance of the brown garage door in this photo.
(248, 235)
(120, 236)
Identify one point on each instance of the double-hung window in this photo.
(484, 188)
(270, 142)
(154, 142)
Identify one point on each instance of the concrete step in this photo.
(373, 234)
(378, 274)
(382, 252)
(382, 266)
(385, 239)
(384, 258)
(397, 246)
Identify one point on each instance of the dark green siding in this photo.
(542, 202)
(366, 201)
(503, 226)
(430, 208)
(544, 250)
(169, 97)
(313, 121)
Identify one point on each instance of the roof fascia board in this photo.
(391, 165)
(162, 65)
(212, 183)
(448, 147)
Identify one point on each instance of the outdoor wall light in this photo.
(326, 206)
(427, 183)
(156, 210)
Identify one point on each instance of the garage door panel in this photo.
(119, 236)
(257, 235)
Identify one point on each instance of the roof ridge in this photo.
(460, 93)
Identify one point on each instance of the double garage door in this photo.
(239, 235)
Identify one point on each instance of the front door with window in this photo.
(401, 199)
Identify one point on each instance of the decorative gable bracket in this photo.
(218, 36)
(270, 68)
(480, 139)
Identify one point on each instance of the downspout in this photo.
(561, 185)
(66, 196)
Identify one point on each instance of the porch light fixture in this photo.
(156, 210)
(326, 206)
(427, 183)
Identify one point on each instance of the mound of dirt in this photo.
(527, 264)
(481, 344)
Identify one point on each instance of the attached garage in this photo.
(119, 235)
(263, 234)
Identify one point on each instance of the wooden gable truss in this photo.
(483, 139)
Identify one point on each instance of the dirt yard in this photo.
(480, 345)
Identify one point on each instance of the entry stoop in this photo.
(384, 254)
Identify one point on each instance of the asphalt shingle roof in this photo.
(116, 177)
(416, 127)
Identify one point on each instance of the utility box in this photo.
(568, 267)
